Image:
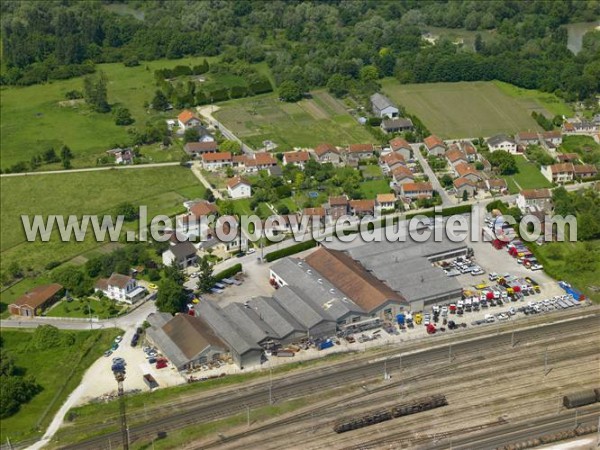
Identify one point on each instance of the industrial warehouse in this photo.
(327, 291)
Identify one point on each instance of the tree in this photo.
(226, 208)
(190, 135)
(446, 180)
(230, 146)
(369, 74)
(171, 297)
(50, 156)
(160, 102)
(504, 162)
(290, 91)
(465, 195)
(174, 273)
(128, 211)
(95, 92)
(337, 85)
(205, 275)
(15, 270)
(209, 195)
(123, 117)
(66, 155)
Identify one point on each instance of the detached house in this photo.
(255, 162)
(337, 207)
(361, 208)
(36, 300)
(358, 152)
(462, 185)
(189, 225)
(399, 145)
(469, 149)
(553, 137)
(396, 125)
(502, 142)
(540, 199)
(585, 170)
(567, 157)
(464, 170)
(435, 146)
(385, 202)
(327, 153)
(122, 155)
(120, 287)
(496, 185)
(238, 187)
(527, 138)
(187, 119)
(391, 161)
(215, 161)
(559, 173)
(195, 149)
(316, 215)
(456, 156)
(416, 190)
(383, 106)
(402, 175)
(296, 158)
(182, 254)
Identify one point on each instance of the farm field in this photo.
(58, 370)
(550, 102)
(528, 177)
(303, 124)
(465, 109)
(162, 189)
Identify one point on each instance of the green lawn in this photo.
(242, 207)
(162, 190)
(289, 202)
(303, 124)
(370, 189)
(466, 109)
(76, 308)
(9, 295)
(582, 145)
(57, 370)
(371, 171)
(532, 97)
(528, 177)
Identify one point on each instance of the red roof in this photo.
(393, 158)
(433, 141)
(314, 212)
(398, 143)
(200, 147)
(296, 157)
(360, 148)
(417, 187)
(459, 182)
(362, 205)
(402, 172)
(119, 280)
(338, 201)
(321, 149)
(203, 208)
(454, 154)
(212, 157)
(185, 116)
(560, 168)
(585, 168)
(527, 136)
(464, 169)
(37, 296)
(536, 194)
(233, 182)
(468, 148)
(261, 159)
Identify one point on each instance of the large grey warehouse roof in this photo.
(305, 313)
(280, 320)
(167, 346)
(250, 322)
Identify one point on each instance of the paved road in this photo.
(92, 169)
(446, 201)
(323, 378)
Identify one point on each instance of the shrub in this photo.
(278, 254)
(231, 271)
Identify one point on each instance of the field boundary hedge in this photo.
(297, 248)
(229, 272)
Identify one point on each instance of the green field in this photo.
(76, 308)
(585, 146)
(549, 102)
(162, 189)
(370, 189)
(528, 177)
(466, 109)
(303, 124)
(57, 370)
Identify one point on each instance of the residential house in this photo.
(435, 146)
(238, 187)
(122, 155)
(182, 254)
(36, 300)
(553, 137)
(316, 215)
(579, 125)
(122, 288)
(540, 199)
(187, 119)
(229, 234)
(361, 208)
(255, 162)
(469, 149)
(189, 225)
(468, 171)
(502, 142)
(195, 149)
(567, 157)
(527, 138)
(462, 185)
(399, 145)
(396, 125)
(496, 186)
(359, 152)
(337, 207)
(385, 203)
(584, 171)
(559, 173)
(402, 175)
(455, 156)
(216, 161)
(416, 190)
(327, 153)
(296, 158)
(383, 106)
(391, 161)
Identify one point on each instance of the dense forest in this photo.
(309, 42)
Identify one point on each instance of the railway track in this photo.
(214, 407)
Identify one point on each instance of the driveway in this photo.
(446, 201)
(197, 171)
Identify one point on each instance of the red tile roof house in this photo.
(327, 153)
(195, 149)
(385, 202)
(534, 198)
(455, 156)
(120, 287)
(391, 161)
(465, 185)
(417, 190)
(467, 171)
(189, 226)
(357, 152)
(469, 149)
(238, 187)
(187, 119)
(567, 157)
(402, 175)
(527, 138)
(496, 185)
(554, 137)
(36, 300)
(337, 207)
(434, 145)
(585, 170)
(559, 173)
(399, 145)
(296, 158)
(362, 208)
(317, 215)
(254, 163)
(215, 161)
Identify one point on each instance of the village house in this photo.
(396, 125)
(467, 171)
(434, 145)
(462, 185)
(502, 142)
(327, 153)
(195, 149)
(567, 157)
(35, 301)
(579, 125)
(496, 186)
(182, 254)
(187, 119)
(121, 288)
(391, 161)
(238, 187)
(298, 159)
(416, 190)
(361, 208)
(359, 152)
(559, 173)
(455, 156)
(385, 203)
(122, 155)
(469, 149)
(383, 106)
(527, 138)
(584, 171)
(529, 199)
(553, 137)
(402, 175)
(337, 207)
(189, 225)
(399, 145)
(216, 161)
(255, 162)
(317, 215)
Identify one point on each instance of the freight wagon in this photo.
(581, 398)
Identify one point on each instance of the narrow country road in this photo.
(197, 171)
(446, 201)
(90, 169)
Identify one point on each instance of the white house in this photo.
(186, 119)
(502, 142)
(296, 158)
(327, 153)
(237, 187)
(385, 202)
(383, 106)
(559, 173)
(120, 287)
(183, 254)
(215, 161)
(537, 198)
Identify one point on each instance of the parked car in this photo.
(118, 339)
(152, 286)
(107, 353)
(119, 360)
(134, 339)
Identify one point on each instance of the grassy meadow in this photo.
(528, 177)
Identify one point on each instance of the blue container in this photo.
(401, 319)
(325, 344)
